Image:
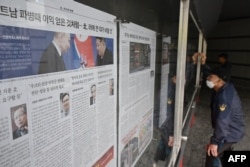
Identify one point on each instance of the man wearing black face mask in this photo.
(226, 114)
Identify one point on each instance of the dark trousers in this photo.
(217, 161)
(163, 150)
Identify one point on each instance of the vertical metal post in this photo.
(198, 71)
(180, 78)
(204, 50)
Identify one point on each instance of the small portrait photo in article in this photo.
(65, 104)
(92, 94)
(19, 120)
(111, 87)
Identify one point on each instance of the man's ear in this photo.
(221, 80)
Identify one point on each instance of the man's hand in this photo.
(203, 58)
(171, 141)
(195, 57)
(174, 79)
(212, 150)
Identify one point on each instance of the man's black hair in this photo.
(101, 39)
(221, 73)
(224, 55)
(63, 95)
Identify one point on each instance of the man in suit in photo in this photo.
(104, 55)
(64, 97)
(51, 60)
(21, 122)
(93, 94)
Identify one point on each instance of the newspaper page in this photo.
(166, 41)
(136, 91)
(57, 85)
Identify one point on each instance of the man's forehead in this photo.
(66, 97)
(19, 110)
(212, 76)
